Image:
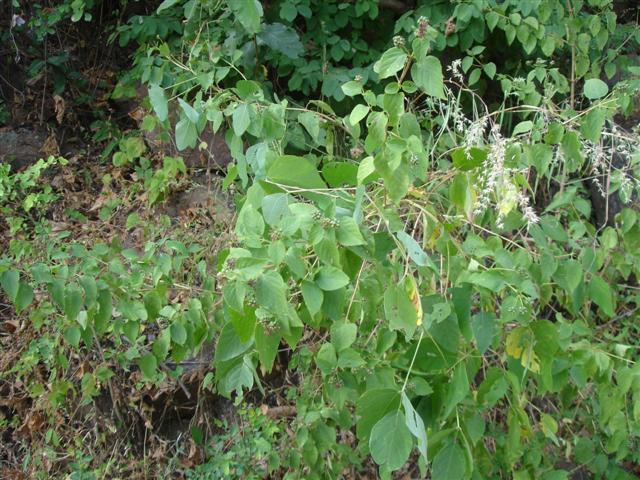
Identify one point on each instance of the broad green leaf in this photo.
(522, 127)
(24, 297)
(331, 278)
(72, 301)
(492, 19)
(159, 102)
(186, 134)
(592, 124)
(427, 75)
(449, 463)
(326, 358)
(162, 344)
(148, 364)
(248, 13)
(415, 424)
(153, 304)
(352, 88)
(457, 390)
(189, 111)
(166, 4)
(238, 374)
(311, 122)
(601, 293)
(568, 275)
(464, 160)
(348, 232)
(271, 293)
(178, 333)
(390, 63)
(390, 442)
(229, 345)
(241, 118)
(340, 174)
(399, 310)
(595, 88)
(281, 38)
(484, 330)
(72, 336)
(267, 343)
(10, 281)
(296, 172)
(415, 251)
(313, 296)
(373, 405)
(358, 113)
(343, 335)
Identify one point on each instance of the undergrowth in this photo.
(423, 259)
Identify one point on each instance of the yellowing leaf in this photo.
(519, 346)
(411, 287)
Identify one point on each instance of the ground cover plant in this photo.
(421, 261)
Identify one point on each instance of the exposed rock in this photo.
(21, 147)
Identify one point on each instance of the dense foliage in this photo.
(428, 227)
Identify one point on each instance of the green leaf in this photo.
(415, 424)
(162, 344)
(390, 442)
(313, 296)
(10, 281)
(399, 311)
(148, 364)
(468, 161)
(311, 123)
(72, 302)
(601, 293)
(72, 336)
(568, 275)
(189, 111)
(241, 119)
(229, 345)
(390, 63)
(427, 75)
(186, 134)
(282, 39)
(166, 4)
(271, 292)
(24, 297)
(326, 358)
(373, 405)
(348, 233)
(178, 333)
(449, 463)
(296, 172)
(490, 69)
(484, 330)
(352, 88)
(415, 251)
(358, 113)
(492, 19)
(331, 278)
(457, 390)
(267, 344)
(595, 88)
(522, 127)
(343, 335)
(248, 13)
(159, 102)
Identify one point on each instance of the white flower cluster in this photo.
(496, 182)
(602, 155)
(474, 135)
(454, 70)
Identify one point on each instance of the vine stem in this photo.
(415, 354)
